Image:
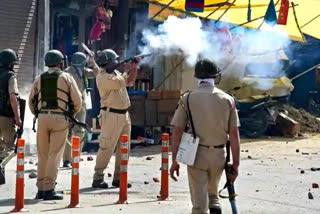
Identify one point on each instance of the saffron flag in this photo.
(271, 14)
(194, 5)
(283, 14)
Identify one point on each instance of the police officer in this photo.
(9, 109)
(53, 94)
(114, 116)
(216, 121)
(81, 74)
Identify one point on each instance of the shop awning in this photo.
(307, 14)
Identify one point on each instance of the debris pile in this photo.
(309, 123)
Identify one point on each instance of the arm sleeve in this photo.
(114, 82)
(180, 118)
(233, 119)
(33, 93)
(95, 69)
(75, 94)
(13, 85)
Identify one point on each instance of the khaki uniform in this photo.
(7, 125)
(214, 114)
(113, 93)
(53, 129)
(82, 83)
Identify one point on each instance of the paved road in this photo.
(269, 182)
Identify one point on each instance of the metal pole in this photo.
(303, 73)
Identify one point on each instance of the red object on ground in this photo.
(156, 180)
(315, 185)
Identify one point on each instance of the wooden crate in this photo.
(171, 94)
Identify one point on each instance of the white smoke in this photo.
(28, 134)
(193, 39)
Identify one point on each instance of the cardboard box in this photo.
(168, 105)
(137, 110)
(171, 94)
(154, 95)
(151, 112)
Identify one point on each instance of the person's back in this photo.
(211, 109)
(215, 121)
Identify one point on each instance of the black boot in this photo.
(216, 210)
(66, 163)
(99, 184)
(116, 183)
(40, 194)
(52, 195)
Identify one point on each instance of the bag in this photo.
(189, 143)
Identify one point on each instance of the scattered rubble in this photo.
(315, 185)
(156, 180)
(89, 158)
(305, 153)
(146, 182)
(249, 157)
(33, 175)
(302, 172)
(310, 196)
(297, 150)
(149, 158)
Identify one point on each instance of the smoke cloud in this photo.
(195, 39)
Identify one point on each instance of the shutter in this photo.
(18, 32)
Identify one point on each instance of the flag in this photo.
(249, 11)
(283, 14)
(271, 14)
(194, 5)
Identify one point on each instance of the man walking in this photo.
(215, 120)
(9, 108)
(54, 93)
(81, 74)
(114, 116)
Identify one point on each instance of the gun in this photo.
(18, 135)
(135, 58)
(36, 110)
(76, 122)
(91, 53)
(132, 59)
(229, 184)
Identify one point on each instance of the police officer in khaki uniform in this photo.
(114, 117)
(81, 74)
(216, 121)
(53, 94)
(9, 109)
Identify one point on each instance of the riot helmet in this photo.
(205, 68)
(79, 59)
(8, 57)
(53, 58)
(106, 56)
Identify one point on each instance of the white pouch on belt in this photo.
(88, 101)
(189, 143)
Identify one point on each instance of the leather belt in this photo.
(51, 112)
(216, 147)
(117, 111)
